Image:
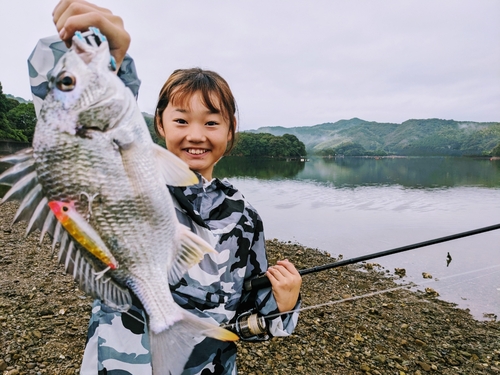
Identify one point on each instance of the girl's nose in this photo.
(196, 134)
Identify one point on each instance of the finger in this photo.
(108, 25)
(66, 8)
(275, 272)
(72, 16)
(84, 17)
(277, 278)
(289, 266)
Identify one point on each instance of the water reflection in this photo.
(265, 169)
(425, 172)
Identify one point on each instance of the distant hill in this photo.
(350, 137)
(412, 137)
(20, 100)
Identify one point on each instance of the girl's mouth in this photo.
(196, 151)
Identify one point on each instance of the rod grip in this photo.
(257, 283)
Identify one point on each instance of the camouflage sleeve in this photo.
(263, 299)
(44, 58)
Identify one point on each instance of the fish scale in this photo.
(105, 181)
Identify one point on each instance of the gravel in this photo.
(43, 320)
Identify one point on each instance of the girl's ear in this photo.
(230, 132)
(159, 127)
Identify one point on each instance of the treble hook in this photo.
(90, 200)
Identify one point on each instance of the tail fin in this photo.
(171, 348)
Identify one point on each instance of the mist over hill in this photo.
(412, 137)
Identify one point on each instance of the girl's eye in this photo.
(212, 123)
(180, 121)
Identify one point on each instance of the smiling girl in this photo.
(196, 115)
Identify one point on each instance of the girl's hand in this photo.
(78, 15)
(286, 282)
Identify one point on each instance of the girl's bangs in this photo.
(210, 98)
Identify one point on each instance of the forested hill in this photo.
(347, 137)
(412, 137)
(17, 118)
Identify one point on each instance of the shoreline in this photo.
(44, 319)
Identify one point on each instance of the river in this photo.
(358, 206)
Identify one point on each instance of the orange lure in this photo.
(82, 232)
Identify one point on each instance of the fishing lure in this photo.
(82, 232)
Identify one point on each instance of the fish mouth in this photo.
(196, 151)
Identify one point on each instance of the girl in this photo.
(196, 115)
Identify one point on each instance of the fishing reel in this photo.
(250, 325)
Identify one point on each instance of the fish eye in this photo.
(65, 81)
(65, 208)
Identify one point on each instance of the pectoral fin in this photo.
(174, 171)
(193, 249)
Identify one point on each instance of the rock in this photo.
(401, 272)
(380, 358)
(37, 333)
(420, 342)
(425, 366)
(431, 292)
(426, 275)
(364, 367)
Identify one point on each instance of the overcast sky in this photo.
(298, 62)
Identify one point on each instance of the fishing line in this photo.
(407, 286)
(466, 273)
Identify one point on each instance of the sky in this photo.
(301, 63)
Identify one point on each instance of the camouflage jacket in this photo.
(118, 343)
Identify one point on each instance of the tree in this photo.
(496, 150)
(265, 144)
(3, 101)
(294, 145)
(23, 118)
(350, 149)
(16, 123)
(151, 127)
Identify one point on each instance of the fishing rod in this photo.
(263, 282)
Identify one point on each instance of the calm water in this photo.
(356, 206)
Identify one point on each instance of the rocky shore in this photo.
(43, 320)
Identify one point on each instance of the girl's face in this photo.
(194, 134)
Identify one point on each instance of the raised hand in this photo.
(78, 15)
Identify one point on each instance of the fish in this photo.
(95, 182)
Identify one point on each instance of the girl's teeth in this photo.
(196, 152)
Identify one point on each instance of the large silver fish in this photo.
(94, 166)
